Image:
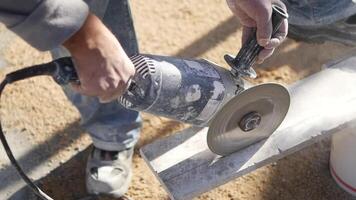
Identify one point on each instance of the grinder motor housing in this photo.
(186, 90)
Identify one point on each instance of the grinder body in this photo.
(187, 90)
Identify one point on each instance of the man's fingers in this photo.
(106, 90)
(82, 90)
(264, 28)
(279, 37)
(260, 12)
(77, 88)
(257, 14)
(265, 53)
(107, 99)
(246, 33)
(245, 20)
(110, 97)
(283, 31)
(273, 43)
(231, 4)
(252, 13)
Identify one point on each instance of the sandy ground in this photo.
(187, 28)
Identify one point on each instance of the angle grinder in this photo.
(193, 91)
(201, 93)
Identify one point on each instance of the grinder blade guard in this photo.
(251, 116)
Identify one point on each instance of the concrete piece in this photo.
(10, 182)
(322, 104)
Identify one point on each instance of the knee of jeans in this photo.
(325, 8)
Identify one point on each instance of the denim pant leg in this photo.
(111, 126)
(318, 12)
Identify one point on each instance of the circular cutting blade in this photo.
(249, 117)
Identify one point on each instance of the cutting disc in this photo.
(249, 117)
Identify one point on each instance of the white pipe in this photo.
(321, 105)
(343, 160)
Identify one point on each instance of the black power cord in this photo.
(62, 70)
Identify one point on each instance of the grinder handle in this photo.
(64, 71)
(242, 64)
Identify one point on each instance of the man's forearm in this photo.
(44, 24)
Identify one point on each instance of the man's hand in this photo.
(257, 13)
(102, 65)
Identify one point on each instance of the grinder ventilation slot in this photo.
(143, 65)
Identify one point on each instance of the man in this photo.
(103, 66)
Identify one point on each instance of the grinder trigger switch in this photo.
(241, 65)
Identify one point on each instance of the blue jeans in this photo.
(111, 126)
(318, 12)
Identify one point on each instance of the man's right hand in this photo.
(102, 65)
(257, 14)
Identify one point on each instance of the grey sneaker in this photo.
(343, 31)
(109, 173)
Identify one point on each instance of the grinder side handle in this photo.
(241, 65)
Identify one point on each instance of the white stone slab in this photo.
(322, 104)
